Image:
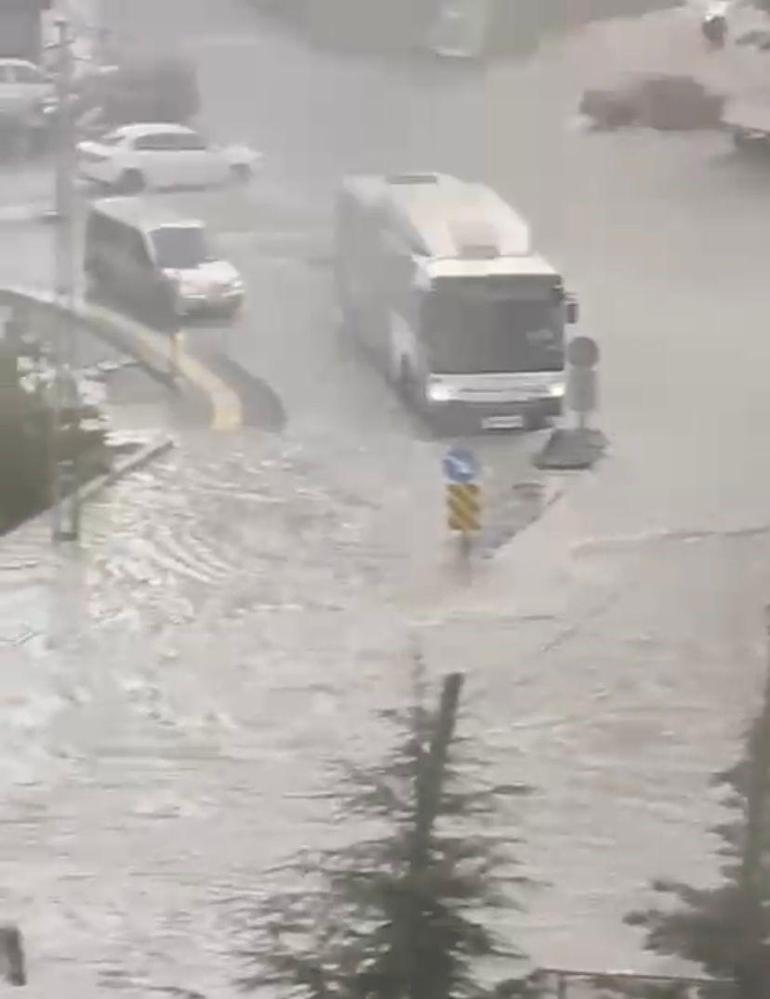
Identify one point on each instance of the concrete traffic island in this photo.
(571, 449)
(580, 446)
(163, 357)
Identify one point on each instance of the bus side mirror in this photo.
(572, 310)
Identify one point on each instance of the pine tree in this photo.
(399, 914)
(727, 929)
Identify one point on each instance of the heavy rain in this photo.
(349, 449)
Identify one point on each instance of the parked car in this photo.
(159, 155)
(24, 90)
(656, 101)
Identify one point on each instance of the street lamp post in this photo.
(66, 503)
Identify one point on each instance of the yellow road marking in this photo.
(227, 412)
(226, 407)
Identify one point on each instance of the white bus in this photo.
(438, 279)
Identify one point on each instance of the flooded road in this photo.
(161, 705)
(241, 609)
(172, 697)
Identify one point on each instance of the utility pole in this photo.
(751, 979)
(66, 503)
(430, 779)
(12, 960)
(429, 786)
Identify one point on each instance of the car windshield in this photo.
(475, 328)
(181, 246)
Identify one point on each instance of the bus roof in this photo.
(444, 217)
(530, 266)
(142, 214)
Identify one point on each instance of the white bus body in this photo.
(438, 279)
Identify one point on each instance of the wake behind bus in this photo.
(438, 279)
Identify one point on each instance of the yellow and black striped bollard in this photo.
(464, 507)
(464, 517)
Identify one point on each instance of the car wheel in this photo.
(131, 182)
(240, 172)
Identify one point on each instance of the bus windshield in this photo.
(180, 247)
(483, 330)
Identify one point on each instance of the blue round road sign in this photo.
(460, 465)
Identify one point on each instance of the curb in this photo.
(89, 490)
(161, 356)
(571, 449)
(132, 463)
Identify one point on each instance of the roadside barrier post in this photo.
(578, 445)
(581, 396)
(463, 500)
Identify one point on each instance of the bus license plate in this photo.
(503, 422)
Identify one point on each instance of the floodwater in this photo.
(241, 610)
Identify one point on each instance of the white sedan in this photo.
(139, 156)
